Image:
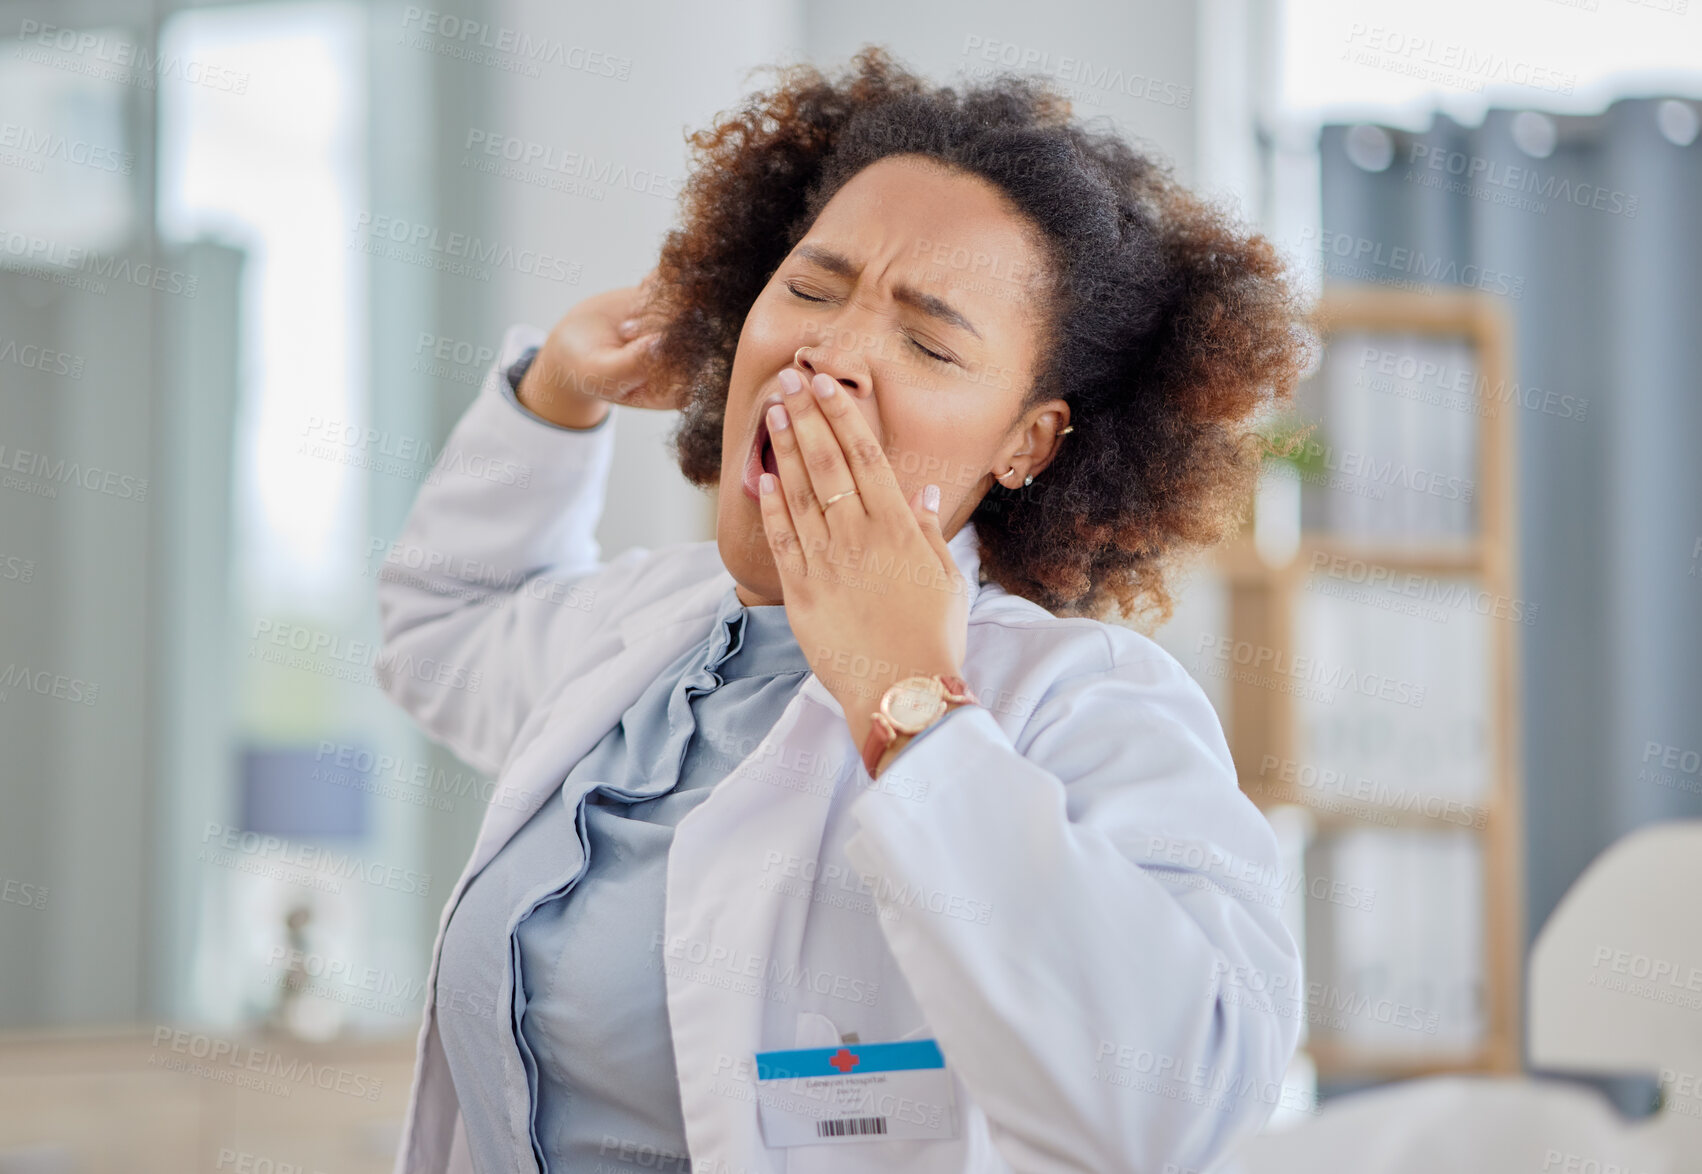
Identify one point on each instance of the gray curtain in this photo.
(1596, 251)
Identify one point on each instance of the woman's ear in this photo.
(1032, 448)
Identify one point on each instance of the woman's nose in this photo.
(849, 373)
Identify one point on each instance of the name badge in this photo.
(855, 1092)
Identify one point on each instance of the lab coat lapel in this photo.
(591, 704)
(722, 919)
(724, 913)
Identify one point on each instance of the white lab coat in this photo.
(1066, 888)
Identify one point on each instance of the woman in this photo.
(967, 377)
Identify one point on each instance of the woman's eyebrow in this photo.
(935, 307)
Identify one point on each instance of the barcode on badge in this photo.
(851, 1127)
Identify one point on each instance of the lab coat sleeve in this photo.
(496, 578)
(1080, 917)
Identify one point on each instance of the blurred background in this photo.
(255, 259)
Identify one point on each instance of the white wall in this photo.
(1107, 55)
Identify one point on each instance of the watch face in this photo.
(912, 706)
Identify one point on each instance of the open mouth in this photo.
(761, 458)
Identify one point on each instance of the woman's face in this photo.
(918, 290)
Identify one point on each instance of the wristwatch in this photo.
(910, 706)
(517, 369)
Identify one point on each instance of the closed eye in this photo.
(938, 358)
(931, 354)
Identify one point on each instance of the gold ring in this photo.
(836, 497)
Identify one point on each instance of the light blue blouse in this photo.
(586, 1027)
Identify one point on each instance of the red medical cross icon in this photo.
(844, 1060)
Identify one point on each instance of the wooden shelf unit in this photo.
(1262, 609)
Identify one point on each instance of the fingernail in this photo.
(931, 498)
(825, 385)
(766, 482)
(791, 382)
(777, 421)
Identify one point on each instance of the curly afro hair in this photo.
(1171, 326)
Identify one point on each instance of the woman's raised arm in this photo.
(496, 586)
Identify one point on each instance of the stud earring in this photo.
(1026, 481)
